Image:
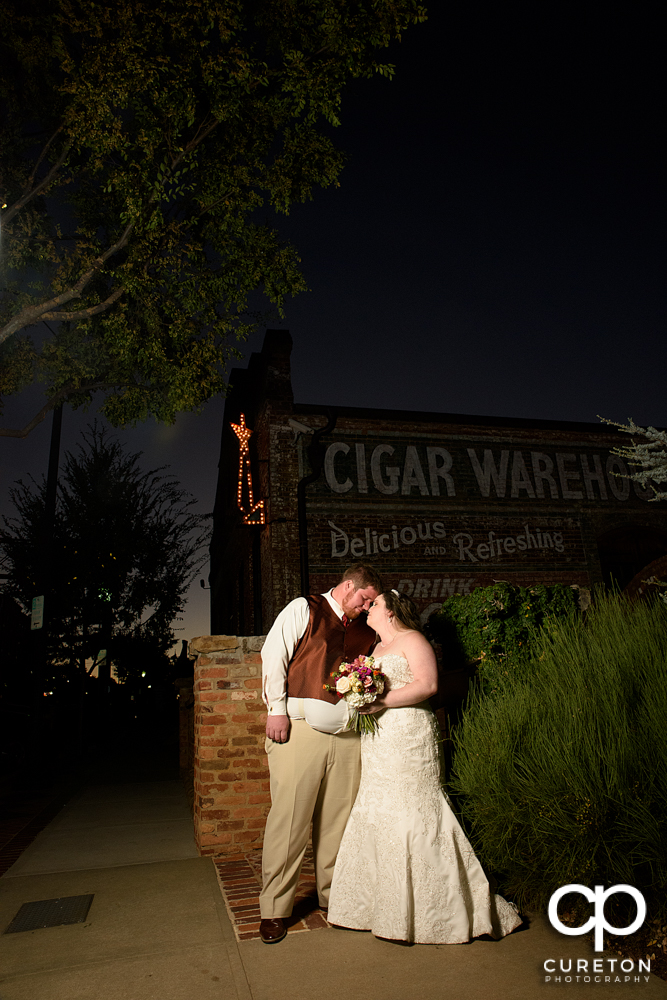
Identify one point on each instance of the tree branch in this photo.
(22, 202)
(195, 141)
(60, 397)
(51, 308)
(84, 313)
(32, 314)
(31, 179)
(212, 205)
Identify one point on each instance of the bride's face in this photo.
(377, 614)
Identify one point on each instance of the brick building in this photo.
(440, 503)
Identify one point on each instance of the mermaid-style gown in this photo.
(405, 869)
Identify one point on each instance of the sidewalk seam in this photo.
(228, 932)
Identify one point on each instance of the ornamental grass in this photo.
(561, 770)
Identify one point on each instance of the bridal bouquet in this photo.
(359, 683)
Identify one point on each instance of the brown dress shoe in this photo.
(272, 931)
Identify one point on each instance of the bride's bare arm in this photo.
(419, 654)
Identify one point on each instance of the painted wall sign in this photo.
(439, 503)
(432, 558)
(417, 469)
(429, 590)
(467, 540)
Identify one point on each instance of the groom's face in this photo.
(356, 601)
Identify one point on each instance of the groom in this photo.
(314, 763)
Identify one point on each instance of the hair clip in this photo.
(395, 592)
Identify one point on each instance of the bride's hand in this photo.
(376, 706)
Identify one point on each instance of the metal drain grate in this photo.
(50, 913)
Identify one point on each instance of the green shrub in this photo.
(495, 622)
(562, 773)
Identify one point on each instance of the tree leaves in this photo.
(140, 142)
(649, 457)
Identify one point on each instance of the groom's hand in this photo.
(277, 728)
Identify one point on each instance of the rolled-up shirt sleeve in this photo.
(277, 652)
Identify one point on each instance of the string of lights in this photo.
(253, 513)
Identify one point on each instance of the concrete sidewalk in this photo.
(158, 928)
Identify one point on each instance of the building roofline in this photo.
(366, 413)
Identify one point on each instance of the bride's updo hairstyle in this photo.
(404, 610)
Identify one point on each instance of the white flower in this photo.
(343, 685)
(355, 700)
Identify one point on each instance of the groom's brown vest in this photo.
(325, 644)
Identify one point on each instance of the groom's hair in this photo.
(362, 575)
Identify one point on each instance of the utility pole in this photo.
(41, 661)
(52, 478)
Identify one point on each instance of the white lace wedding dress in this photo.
(405, 869)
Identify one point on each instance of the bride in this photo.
(405, 869)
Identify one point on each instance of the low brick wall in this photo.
(231, 775)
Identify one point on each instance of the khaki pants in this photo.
(314, 776)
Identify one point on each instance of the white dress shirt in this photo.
(278, 649)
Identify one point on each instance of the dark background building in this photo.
(440, 503)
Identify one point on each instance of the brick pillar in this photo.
(231, 775)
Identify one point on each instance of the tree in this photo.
(139, 143)
(649, 457)
(124, 549)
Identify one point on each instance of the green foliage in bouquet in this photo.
(562, 774)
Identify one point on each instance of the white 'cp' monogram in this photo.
(598, 919)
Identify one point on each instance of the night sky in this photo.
(495, 247)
